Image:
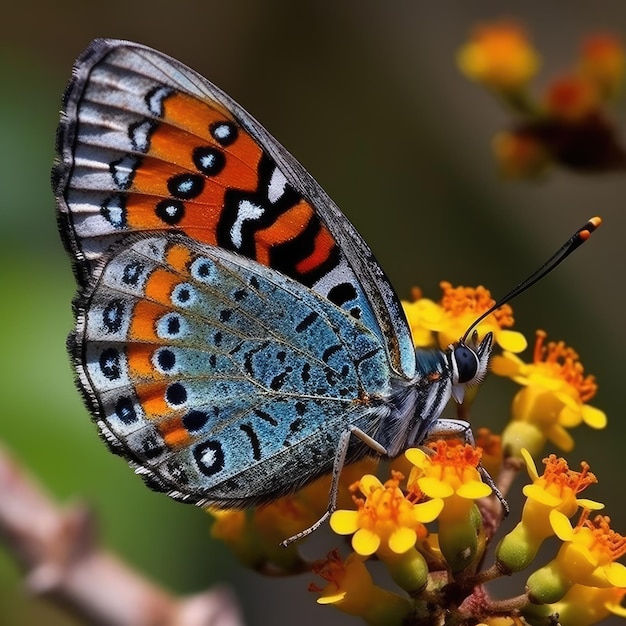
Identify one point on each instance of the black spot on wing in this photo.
(254, 440)
(342, 293)
(307, 322)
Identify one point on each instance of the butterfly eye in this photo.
(467, 363)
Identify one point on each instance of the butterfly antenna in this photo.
(577, 239)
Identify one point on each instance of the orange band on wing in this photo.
(178, 257)
(174, 433)
(160, 284)
(285, 228)
(152, 398)
(192, 114)
(140, 361)
(143, 322)
(323, 246)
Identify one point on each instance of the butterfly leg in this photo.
(338, 464)
(459, 428)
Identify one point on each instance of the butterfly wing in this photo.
(221, 380)
(147, 144)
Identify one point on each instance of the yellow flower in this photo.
(350, 589)
(461, 306)
(499, 56)
(385, 520)
(254, 535)
(556, 490)
(421, 314)
(451, 474)
(587, 557)
(229, 525)
(602, 61)
(584, 606)
(520, 154)
(554, 397)
(450, 471)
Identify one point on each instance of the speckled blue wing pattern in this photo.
(216, 375)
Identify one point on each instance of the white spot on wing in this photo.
(341, 273)
(277, 185)
(223, 131)
(208, 458)
(247, 211)
(155, 99)
(140, 135)
(123, 171)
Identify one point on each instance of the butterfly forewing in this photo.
(212, 373)
(146, 144)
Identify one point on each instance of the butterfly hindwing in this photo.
(215, 375)
(148, 145)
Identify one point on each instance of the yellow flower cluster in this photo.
(442, 323)
(553, 397)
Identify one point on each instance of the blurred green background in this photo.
(368, 97)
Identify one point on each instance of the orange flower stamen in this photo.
(460, 300)
(383, 506)
(605, 540)
(558, 473)
(564, 361)
(455, 457)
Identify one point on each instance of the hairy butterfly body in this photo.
(235, 337)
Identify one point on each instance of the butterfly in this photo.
(235, 337)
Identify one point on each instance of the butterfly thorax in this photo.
(417, 402)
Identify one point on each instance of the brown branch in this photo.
(57, 547)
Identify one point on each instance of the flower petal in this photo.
(594, 417)
(569, 417)
(539, 494)
(369, 483)
(592, 505)
(616, 574)
(560, 438)
(333, 598)
(506, 365)
(531, 468)
(402, 539)
(344, 522)
(511, 340)
(418, 457)
(365, 542)
(434, 487)
(616, 609)
(473, 490)
(561, 525)
(428, 511)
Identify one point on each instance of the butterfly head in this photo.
(468, 363)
